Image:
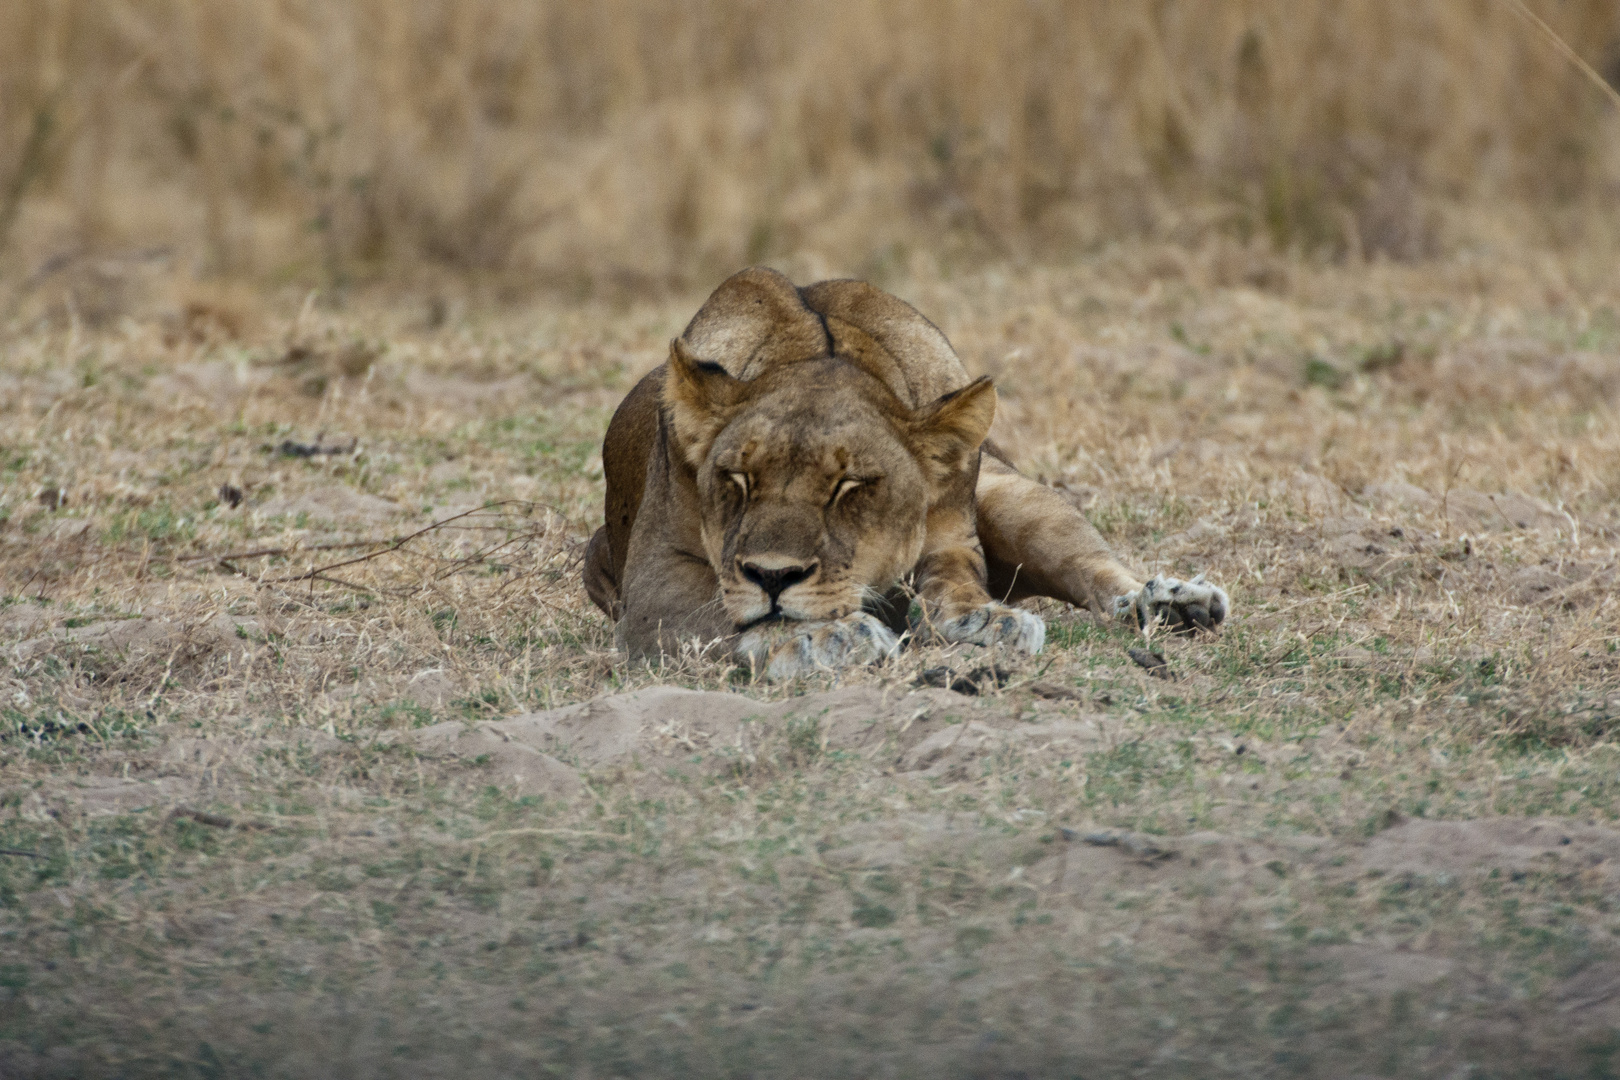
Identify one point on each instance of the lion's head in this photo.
(815, 481)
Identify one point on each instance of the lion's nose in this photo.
(777, 579)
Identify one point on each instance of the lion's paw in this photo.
(790, 650)
(997, 624)
(1187, 606)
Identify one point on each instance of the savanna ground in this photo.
(251, 826)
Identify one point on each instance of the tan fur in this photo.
(803, 452)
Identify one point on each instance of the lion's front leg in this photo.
(995, 624)
(1185, 606)
(952, 603)
(669, 599)
(789, 650)
(1040, 545)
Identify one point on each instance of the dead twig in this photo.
(500, 833)
(356, 586)
(1143, 847)
(391, 547)
(1566, 50)
(971, 683)
(392, 543)
(215, 821)
(268, 553)
(482, 556)
(1055, 691)
(1154, 664)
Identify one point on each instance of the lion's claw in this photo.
(997, 624)
(1186, 606)
(790, 650)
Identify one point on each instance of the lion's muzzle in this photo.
(765, 586)
(775, 580)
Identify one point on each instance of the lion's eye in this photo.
(844, 487)
(741, 480)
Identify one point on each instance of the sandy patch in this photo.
(103, 796)
(670, 734)
(131, 640)
(333, 504)
(948, 753)
(1468, 510)
(1430, 848)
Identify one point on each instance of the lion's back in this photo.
(889, 338)
(757, 320)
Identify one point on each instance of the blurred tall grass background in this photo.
(656, 143)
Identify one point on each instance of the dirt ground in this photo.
(315, 760)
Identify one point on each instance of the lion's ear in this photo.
(702, 397)
(946, 434)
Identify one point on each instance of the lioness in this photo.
(809, 473)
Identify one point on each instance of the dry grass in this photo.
(650, 144)
(1404, 475)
